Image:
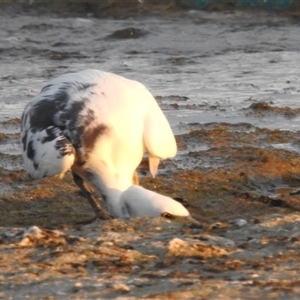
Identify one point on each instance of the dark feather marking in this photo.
(35, 165)
(24, 142)
(80, 160)
(51, 114)
(73, 115)
(91, 134)
(23, 120)
(43, 112)
(83, 124)
(31, 154)
(61, 97)
(52, 133)
(41, 116)
(47, 87)
(30, 150)
(88, 118)
(84, 86)
(64, 147)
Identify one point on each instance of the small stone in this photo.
(218, 241)
(194, 248)
(121, 287)
(218, 225)
(34, 231)
(78, 284)
(240, 222)
(25, 242)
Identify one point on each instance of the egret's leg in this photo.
(100, 212)
(153, 165)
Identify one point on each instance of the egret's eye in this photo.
(167, 215)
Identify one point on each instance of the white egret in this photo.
(98, 125)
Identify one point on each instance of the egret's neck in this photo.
(111, 198)
(109, 187)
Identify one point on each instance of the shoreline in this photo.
(134, 8)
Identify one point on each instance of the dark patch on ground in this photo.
(127, 33)
(262, 108)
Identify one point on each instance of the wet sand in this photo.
(228, 82)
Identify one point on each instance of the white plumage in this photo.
(137, 201)
(99, 125)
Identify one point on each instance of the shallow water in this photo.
(203, 66)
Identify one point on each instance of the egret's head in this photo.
(137, 201)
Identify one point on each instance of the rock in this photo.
(239, 222)
(31, 234)
(217, 240)
(218, 225)
(193, 248)
(121, 287)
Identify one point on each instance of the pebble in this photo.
(217, 240)
(240, 222)
(121, 287)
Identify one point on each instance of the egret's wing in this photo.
(47, 153)
(159, 139)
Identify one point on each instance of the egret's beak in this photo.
(193, 221)
(187, 219)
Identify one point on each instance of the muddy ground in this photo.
(248, 248)
(240, 180)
